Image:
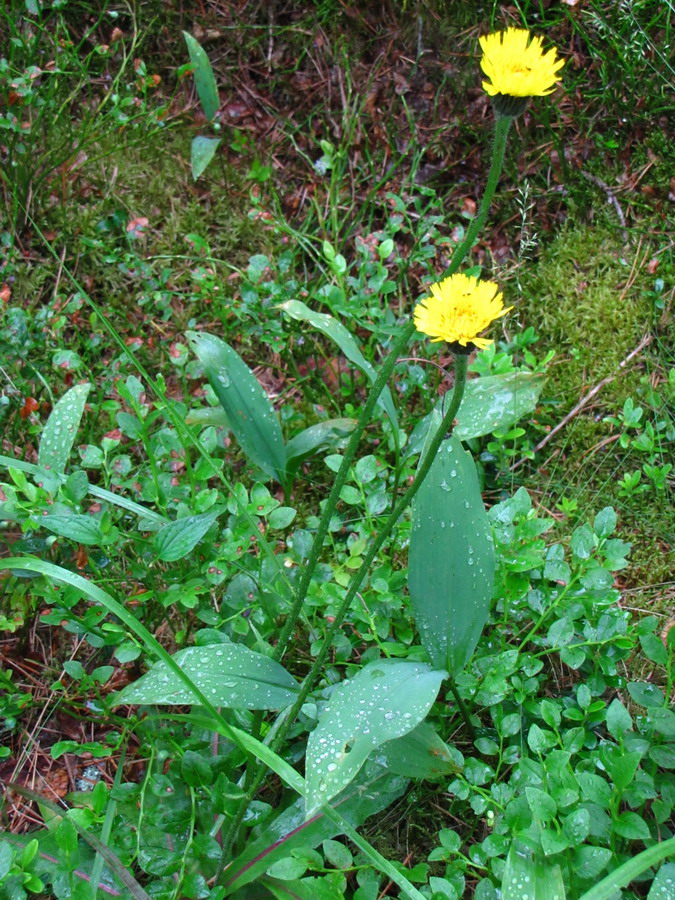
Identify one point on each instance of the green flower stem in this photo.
(340, 479)
(444, 430)
(502, 125)
(462, 708)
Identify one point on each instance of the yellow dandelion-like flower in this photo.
(516, 65)
(459, 307)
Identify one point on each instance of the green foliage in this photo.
(258, 636)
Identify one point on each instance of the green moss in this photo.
(580, 299)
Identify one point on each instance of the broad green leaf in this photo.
(228, 674)
(420, 754)
(451, 559)
(60, 429)
(495, 402)
(80, 528)
(337, 332)
(384, 701)
(252, 417)
(176, 539)
(489, 404)
(202, 151)
(372, 791)
(529, 876)
(663, 886)
(205, 82)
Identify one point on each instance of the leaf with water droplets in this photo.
(663, 886)
(528, 875)
(451, 559)
(489, 404)
(228, 674)
(384, 701)
(60, 430)
(252, 417)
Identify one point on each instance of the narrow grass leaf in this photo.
(60, 430)
(252, 417)
(451, 559)
(371, 792)
(385, 700)
(49, 854)
(338, 333)
(178, 538)
(113, 862)
(202, 151)
(107, 496)
(205, 81)
(229, 675)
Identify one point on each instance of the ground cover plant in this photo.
(317, 575)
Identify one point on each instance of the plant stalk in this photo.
(444, 431)
(502, 125)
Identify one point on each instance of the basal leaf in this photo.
(228, 674)
(451, 559)
(530, 876)
(495, 402)
(385, 700)
(60, 429)
(247, 407)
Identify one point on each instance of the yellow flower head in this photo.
(459, 307)
(516, 65)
